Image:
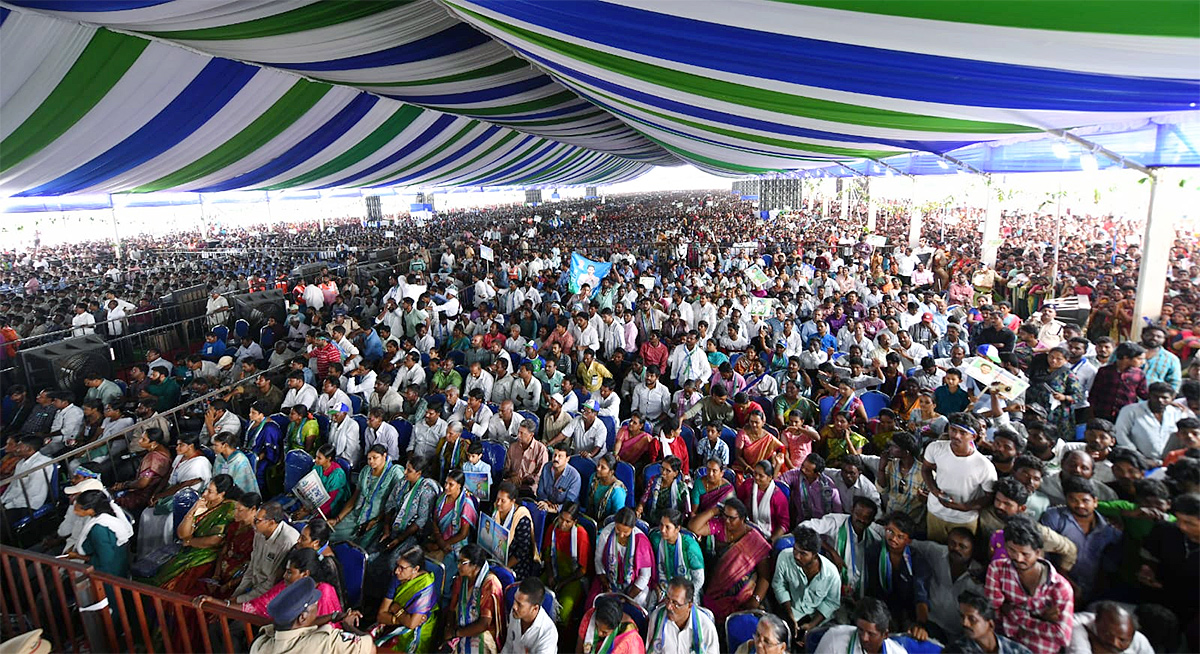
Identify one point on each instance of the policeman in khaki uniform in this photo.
(296, 607)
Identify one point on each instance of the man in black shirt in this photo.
(994, 333)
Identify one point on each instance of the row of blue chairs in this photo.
(873, 403)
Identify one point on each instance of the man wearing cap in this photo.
(344, 434)
(924, 332)
(450, 307)
(298, 629)
(959, 479)
(586, 435)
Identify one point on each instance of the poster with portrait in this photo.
(310, 490)
(585, 271)
(493, 537)
(479, 483)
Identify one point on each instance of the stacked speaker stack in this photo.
(374, 207)
(533, 196)
(779, 194)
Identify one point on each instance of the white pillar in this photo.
(846, 197)
(914, 227)
(1152, 278)
(824, 198)
(116, 232)
(871, 211)
(991, 232)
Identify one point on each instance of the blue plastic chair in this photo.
(626, 474)
(266, 338)
(826, 405)
(222, 333)
(458, 357)
(435, 398)
(322, 427)
(610, 427)
(787, 492)
(630, 607)
(763, 401)
(730, 437)
(439, 575)
(1079, 431)
(783, 544)
(502, 573)
(740, 628)
(874, 402)
(183, 502)
(548, 601)
(241, 327)
(356, 403)
(404, 429)
(539, 520)
(537, 422)
(733, 358)
(689, 437)
(495, 454)
(353, 560)
(589, 526)
(296, 464)
(586, 468)
(280, 419)
(121, 385)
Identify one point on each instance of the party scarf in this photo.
(661, 628)
(845, 538)
(885, 568)
(671, 561)
(379, 483)
(574, 546)
(625, 572)
(674, 494)
(474, 598)
(454, 455)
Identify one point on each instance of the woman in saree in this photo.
(104, 537)
(743, 570)
(767, 504)
(606, 494)
(1059, 384)
(360, 518)
(202, 531)
(266, 440)
(709, 490)
(524, 559)
(191, 469)
(455, 514)
(633, 441)
(669, 490)
(845, 401)
(407, 616)
(234, 555)
(303, 430)
(301, 562)
(839, 439)
(477, 602)
(152, 472)
(567, 554)
(607, 630)
(754, 443)
(624, 560)
(907, 395)
(333, 478)
(924, 416)
(676, 554)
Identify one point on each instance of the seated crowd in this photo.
(881, 450)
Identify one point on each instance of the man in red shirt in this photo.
(654, 352)
(323, 350)
(1034, 603)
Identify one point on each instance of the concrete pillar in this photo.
(991, 232)
(1152, 277)
(915, 221)
(846, 197)
(824, 184)
(872, 209)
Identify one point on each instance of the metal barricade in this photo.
(67, 600)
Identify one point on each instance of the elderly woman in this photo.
(768, 505)
(407, 616)
(191, 469)
(743, 570)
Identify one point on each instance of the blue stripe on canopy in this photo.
(446, 42)
(436, 129)
(97, 6)
(306, 149)
(441, 160)
(518, 165)
(845, 67)
(484, 95)
(720, 117)
(216, 84)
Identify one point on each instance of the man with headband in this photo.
(959, 479)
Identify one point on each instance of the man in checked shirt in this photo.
(1034, 604)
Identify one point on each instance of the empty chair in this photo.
(626, 475)
(502, 573)
(874, 402)
(826, 405)
(353, 560)
(586, 468)
(539, 519)
(241, 327)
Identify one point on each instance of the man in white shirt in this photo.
(586, 434)
(29, 492)
(68, 422)
(479, 378)
(219, 418)
(331, 396)
(410, 373)
(650, 398)
(530, 629)
(427, 433)
(1050, 331)
(299, 392)
(344, 434)
(689, 361)
(502, 387)
(850, 482)
(362, 382)
(383, 433)
(612, 336)
(504, 425)
(217, 308)
(83, 323)
(672, 628)
(1110, 627)
(313, 295)
(960, 480)
(526, 390)
(1147, 425)
(868, 633)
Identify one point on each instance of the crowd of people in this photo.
(878, 449)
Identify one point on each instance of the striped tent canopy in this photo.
(267, 94)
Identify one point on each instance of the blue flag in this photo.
(586, 271)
